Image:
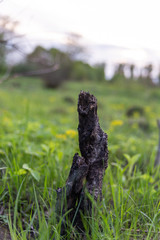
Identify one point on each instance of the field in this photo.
(38, 138)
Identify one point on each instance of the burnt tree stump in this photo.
(157, 159)
(91, 166)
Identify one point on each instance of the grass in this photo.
(38, 129)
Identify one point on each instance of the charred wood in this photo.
(72, 199)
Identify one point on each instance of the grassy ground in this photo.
(38, 138)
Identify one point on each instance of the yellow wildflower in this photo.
(61, 136)
(71, 133)
(116, 123)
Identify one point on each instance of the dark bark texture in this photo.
(91, 166)
(92, 143)
(157, 160)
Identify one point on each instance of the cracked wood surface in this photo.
(90, 166)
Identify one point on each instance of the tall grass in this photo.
(36, 151)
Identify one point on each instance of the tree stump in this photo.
(157, 159)
(71, 199)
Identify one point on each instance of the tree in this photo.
(146, 75)
(132, 68)
(8, 39)
(100, 71)
(74, 46)
(148, 70)
(52, 65)
(8, 44)
(119, 75)
(120, 69)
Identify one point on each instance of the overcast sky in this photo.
(124, 30)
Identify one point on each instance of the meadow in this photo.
(38, 138)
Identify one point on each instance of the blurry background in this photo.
(80, 40)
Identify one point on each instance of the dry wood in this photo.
(157, 160)
(92, 143)
(92, 165)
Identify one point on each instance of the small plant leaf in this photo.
(21, 171)
(45, 148)
(34, 173)
(25, 166)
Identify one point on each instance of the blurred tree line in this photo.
(52, 65)
(127, 73)
(55, 66)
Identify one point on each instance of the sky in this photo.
(112, 30)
